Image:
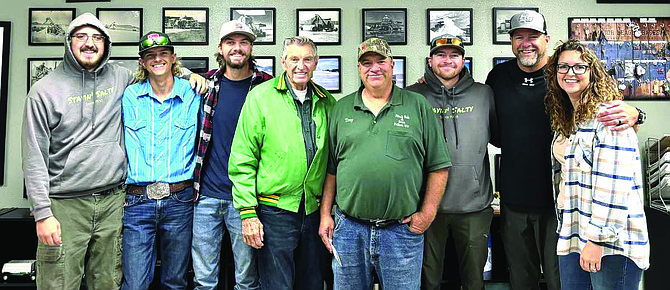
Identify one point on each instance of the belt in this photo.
(377, 223)
(107, 191)
(174, 187)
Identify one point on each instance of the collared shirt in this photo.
(160, 137)
(603, 194)
(305, 114)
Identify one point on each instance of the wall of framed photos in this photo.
(482, 29)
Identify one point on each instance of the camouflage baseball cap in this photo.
(374, 44)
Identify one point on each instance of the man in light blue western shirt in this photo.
(159, 115)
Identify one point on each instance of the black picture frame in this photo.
(266, 64)
(453, 21)
(387, 23)
(198, 64)
(128, 62)
(500, 59)
(501, 22)
(328, 73)
(469, 63)
(5, 33)
(262, 21)
(400, 71)
(38, 67)
(186, 25)
(319, 26)
(48, 26)
(125, 25)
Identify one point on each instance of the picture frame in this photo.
(328, 73)
(500, 59)
(320, 25)
(48, 26)
(5, 38)
(125, 25)
(262, 21)
(400, 71)
(128, 62)
(265, 64)
(452, 21)
(501, 22)
(387, 23)
(186, 25)
(199, 65)
(39, 67)
(469, 64)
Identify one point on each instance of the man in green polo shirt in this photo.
(388, 164)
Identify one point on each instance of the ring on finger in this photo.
(619, 124)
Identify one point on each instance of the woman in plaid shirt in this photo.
(603, 241)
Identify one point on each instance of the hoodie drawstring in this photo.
(95, 88)
(453, 116)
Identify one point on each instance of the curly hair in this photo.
(601, 88)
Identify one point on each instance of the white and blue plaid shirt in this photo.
(603, 200)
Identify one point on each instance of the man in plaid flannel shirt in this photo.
(214, 211)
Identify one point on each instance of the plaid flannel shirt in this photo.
(603, 194)
(209, 101)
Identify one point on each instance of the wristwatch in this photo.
(641, 117)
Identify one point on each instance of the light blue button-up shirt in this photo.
(160, 137)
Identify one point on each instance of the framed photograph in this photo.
(399, 71)
(48, 26)
(501, 22)
(40, 67)
(389, 24)
(123, 24)
(468, 64)
(262, 22)
(320, 25)
(500, 59)
(199, 65)
(328, 73)
(456, 22)
(130, 63)
(265, 64)
(186, 26)
(5, 36)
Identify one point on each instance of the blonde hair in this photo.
(142, 74)
(601, 88)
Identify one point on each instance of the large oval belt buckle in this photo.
(158, 190)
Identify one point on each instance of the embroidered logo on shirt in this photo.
(528, 82)
(400, 122)
(348, 120)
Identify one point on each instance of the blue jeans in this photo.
(291, 256)
(211, 217)
(616, 273)
(167, 222)
(394, 252)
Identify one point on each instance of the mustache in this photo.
(89, 48)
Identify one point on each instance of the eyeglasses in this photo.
(83, 37)
(154, 39)
(578, 69)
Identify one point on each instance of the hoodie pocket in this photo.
(465, 179)
(91, 166)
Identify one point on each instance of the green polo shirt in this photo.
(382, 161)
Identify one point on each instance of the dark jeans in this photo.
(145, 221)
(616, 273)
(529, 238)
(291, 257)
(471, 236)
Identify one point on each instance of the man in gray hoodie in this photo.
(466, 112)
(74, 162)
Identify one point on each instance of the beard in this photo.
(240, 65)
(530, 61)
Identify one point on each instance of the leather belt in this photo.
(174, 187)
(375, 223)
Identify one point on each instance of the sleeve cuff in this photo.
(248, 212)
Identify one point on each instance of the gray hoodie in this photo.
(467, 115)
(72, 138)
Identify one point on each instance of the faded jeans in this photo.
(393, 252)
(211, 217)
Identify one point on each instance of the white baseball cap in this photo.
(236, 26)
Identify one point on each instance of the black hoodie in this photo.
(467, 115)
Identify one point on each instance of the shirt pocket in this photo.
(398, 144)
(183, 136)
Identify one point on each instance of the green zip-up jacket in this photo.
(268, 163)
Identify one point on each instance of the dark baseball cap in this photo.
(447, 40)
(154, 39)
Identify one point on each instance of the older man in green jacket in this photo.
(278, 165)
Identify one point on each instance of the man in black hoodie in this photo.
(466, 111)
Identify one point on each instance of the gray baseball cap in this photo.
(528, 19)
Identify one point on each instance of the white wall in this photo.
(416, 50)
